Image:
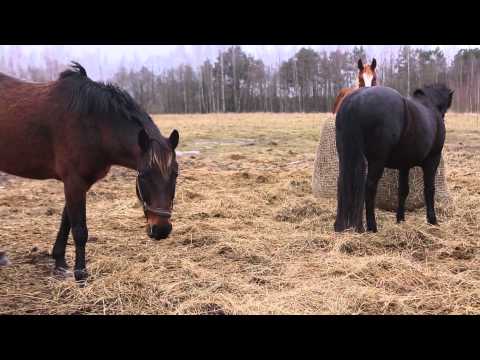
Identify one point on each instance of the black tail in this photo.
(352, 175)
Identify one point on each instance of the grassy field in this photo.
(249, 237)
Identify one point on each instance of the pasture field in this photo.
(248, 235)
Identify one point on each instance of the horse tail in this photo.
(352, 174)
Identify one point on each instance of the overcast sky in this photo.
(102, 61)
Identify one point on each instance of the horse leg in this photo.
(403, 190)
(58, 251)
(375, 172)
(429, 171)
(75, 194)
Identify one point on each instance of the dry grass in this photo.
(249, 237)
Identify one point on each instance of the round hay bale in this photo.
(325, 166)
(325, 174)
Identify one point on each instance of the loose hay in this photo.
(228, 253)
(325, 174)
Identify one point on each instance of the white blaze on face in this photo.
(367, 79)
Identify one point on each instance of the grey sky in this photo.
(102, 61)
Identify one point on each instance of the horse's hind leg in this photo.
(429, 167)
(75, 194)
(375, 172)
(403, 190)
(58, 251)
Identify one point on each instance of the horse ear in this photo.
(174, 138)
(418, 92)
(143, 140)
(360, 64)
(374, 64)
(450, 97)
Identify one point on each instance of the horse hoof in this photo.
(81, 275)
(4, 260)
(338, 227)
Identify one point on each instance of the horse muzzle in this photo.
(158, 232)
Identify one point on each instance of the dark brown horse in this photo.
(73, 130)
(377, 128)
(366, 77)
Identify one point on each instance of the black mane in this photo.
(439, 94)
(88, 97)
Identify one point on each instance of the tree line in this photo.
(307, 82)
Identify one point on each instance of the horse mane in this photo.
(439, 95)
(88, 97)
(433, 90)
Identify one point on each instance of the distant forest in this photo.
(307, 82)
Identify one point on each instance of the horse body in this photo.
(41, 139)
(73, 130)
(380, 125)
(25, 128)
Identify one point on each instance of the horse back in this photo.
(401, 130)
(29, 125)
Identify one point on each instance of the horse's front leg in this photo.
(75, 195)
(58, 251)
(375, 172)
(429, 167)
(403, 190)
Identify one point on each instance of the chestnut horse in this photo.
(73, 130)
(366, 77)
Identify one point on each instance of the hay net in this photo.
(325, 174)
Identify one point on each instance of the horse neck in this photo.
(357, 83)
(121, 143)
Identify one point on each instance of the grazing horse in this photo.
(73, 130)
(388, 130)
(367, 77)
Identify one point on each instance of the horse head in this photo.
(367, 76)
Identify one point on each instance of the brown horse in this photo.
(366, 77)
(73, 130)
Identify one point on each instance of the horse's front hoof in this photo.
(81, 275)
